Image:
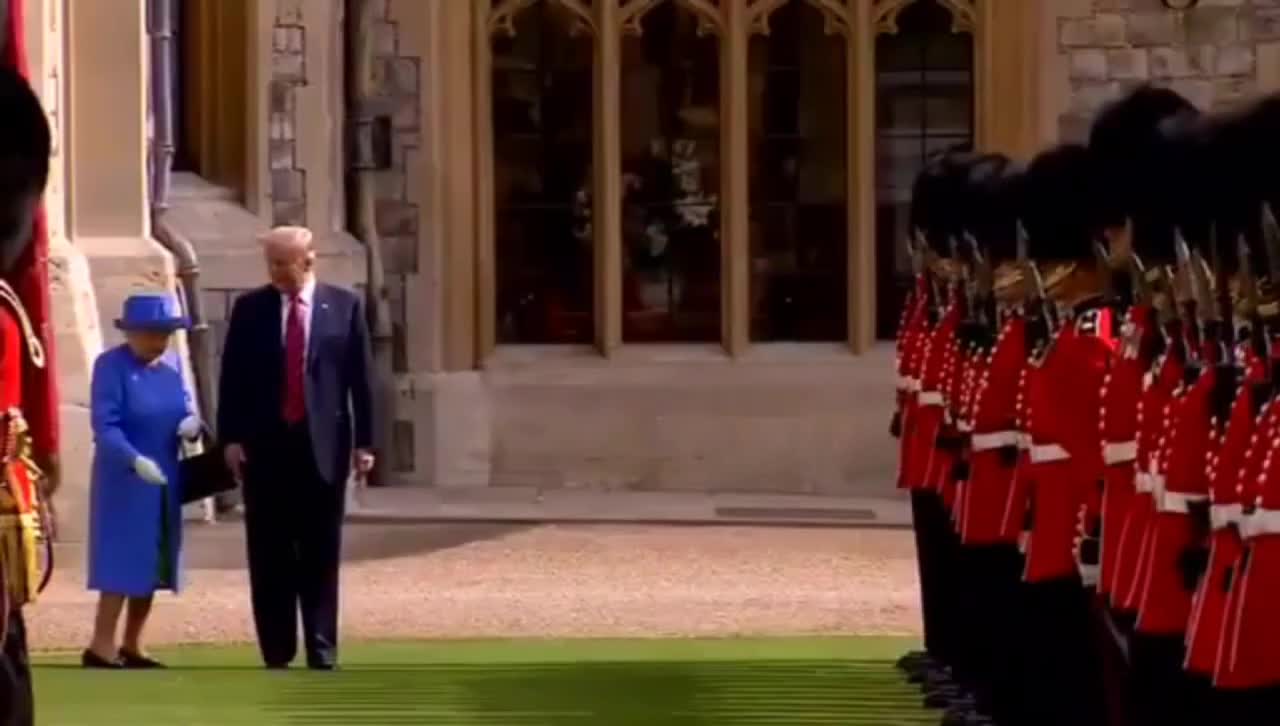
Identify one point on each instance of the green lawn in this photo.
(782, 682)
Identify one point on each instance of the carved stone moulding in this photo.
(964, 14)
(502, 17)
(836, 15)
(708, 12)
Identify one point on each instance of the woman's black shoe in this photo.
(89, 659)
(129, 659)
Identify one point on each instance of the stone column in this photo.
(77, 336)
(108, 216)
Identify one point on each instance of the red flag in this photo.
(30, 278)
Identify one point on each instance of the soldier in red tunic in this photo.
(1248, 671)
(27, 398)
(1062, 680)
(991, 563)
(927, 348)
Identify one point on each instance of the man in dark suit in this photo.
(295, 415)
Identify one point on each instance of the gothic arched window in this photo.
(924, 103)
(542, 151)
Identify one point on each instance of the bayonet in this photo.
(1271, 237)
(1141, 284)
(922, 249)
(984, 282)
(915, 252)
(962, 275)
(1102, 259)
(1035, 283)
(1184, 291)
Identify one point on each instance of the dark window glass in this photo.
(671, 180)
(924, 103)
(542, 116)
(798, 131)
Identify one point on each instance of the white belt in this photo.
(1089, 574)
(930, 398)
(1178, 502)
(964, 427)
(1142, 483)
(994, 440)
(913, 384)
(1046, 453)
(1223, 515)
(1024, 441)
(1119, 452)
(904, 383)
(1261, 523)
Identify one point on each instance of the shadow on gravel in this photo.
(221, 546)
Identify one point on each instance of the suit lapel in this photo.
(319, 319)
(273, 319)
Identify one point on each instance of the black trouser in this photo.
(987, 592)
(1162, 692)
(930, 524)
(1059, 671)
(293, 522)
(17, 702)
(1242, 708)
(1112, 635)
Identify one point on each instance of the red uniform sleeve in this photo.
(40, 384)
(1083, 437)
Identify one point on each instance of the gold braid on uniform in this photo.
(21, 530)
(35, 348)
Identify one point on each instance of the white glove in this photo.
(190, 428)
(149, 471)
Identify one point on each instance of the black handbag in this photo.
(205, 475)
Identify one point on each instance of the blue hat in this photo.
(152, 311)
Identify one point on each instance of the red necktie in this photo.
(295, 352)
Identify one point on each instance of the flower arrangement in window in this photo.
(668, 215)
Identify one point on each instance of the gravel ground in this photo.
(416, 581)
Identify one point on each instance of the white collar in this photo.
(306, 294)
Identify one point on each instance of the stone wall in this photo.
(1216, 54)
(288, 73)
(396, 110)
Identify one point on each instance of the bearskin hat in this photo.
(25, 146)
(1127, 140)
(935, 198)
(989, 205)
(1245, 148)
(1059, 204)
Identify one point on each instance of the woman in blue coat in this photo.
(141, 413)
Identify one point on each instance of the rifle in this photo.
(922, 252)
(1271, 238)
(1102, 259)
(1039, 307)
(1249, 298)
(984, 282)
(1188, 305)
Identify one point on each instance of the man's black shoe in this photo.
(912, 660)
(942, 697)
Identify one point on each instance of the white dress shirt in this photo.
(305, 297)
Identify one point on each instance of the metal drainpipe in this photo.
(163, 57)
